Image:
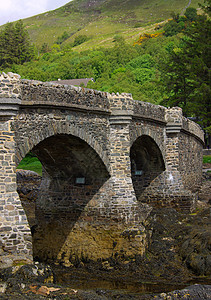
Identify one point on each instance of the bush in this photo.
(62, 38)
(80, 39)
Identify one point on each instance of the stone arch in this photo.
(145, 131)
(27, 143)
(75, 172)
(73, 176)
(65, 155)
(146, 163)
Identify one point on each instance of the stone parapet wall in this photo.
(149, 111)
(190, 161)
(9, 85)
(192, 128)
(49, 94)
(37, 93)
(175, 122)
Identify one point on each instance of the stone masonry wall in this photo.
(190, 161)
(49, 94)
(14, 230)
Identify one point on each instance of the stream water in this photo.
(86, 281)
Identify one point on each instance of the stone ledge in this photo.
(119, 117)
(64, 106)
(173, 128)
(9, 106)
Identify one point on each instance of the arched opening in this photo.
(72, 176)
(146, 163)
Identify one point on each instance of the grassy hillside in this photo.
(100, 20)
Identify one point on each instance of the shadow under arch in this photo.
(34, 137)
(73, 174)
(146, 163)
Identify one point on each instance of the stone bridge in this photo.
(107, 161)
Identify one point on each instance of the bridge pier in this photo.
(123, 196)
(15, 234)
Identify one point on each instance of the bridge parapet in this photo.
(9, 94)
(193, 128)
(151, 111)
(10, 85)
(176, 122)
(36, 93)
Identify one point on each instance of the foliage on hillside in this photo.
(146, 36)
(122, 68)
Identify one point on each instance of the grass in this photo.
(101, 20)
(32, 163)
(207, 159)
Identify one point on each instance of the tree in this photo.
(142, 67)
(186, 75)
(180, 23)
(172, 28)
(15, 46)
(191, 14)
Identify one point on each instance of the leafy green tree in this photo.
(180, 23)
(15, 46)
(191, 14)
(172, 28)
(142, 67)
(175, 16)
(186, 74)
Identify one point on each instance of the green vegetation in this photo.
(15, 46)
(122, 68)
(80, 39)
(31, 162)
(187, 71)
(207, 159)
(62, 38)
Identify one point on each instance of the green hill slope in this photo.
(100, 20)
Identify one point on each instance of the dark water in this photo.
(88, 282)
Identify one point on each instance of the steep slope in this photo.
(100, 20)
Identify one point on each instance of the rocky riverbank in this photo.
(178, 254)
(36, 281)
